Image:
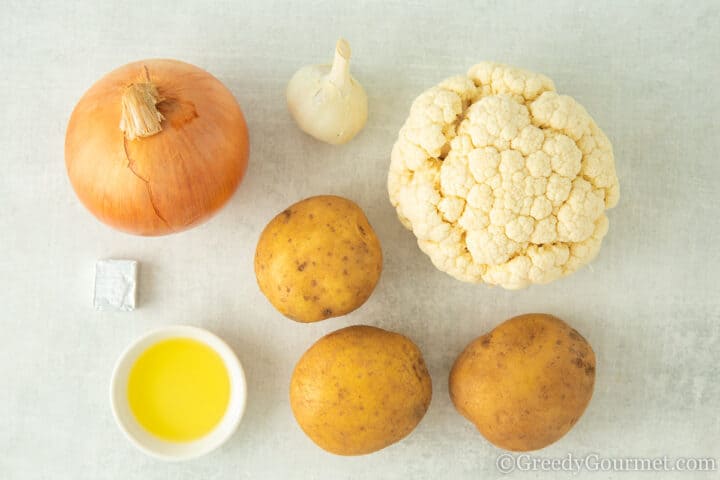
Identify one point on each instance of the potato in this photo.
(360, 389)
(317, 259)
(526, 383)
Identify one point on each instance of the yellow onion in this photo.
(156, 147)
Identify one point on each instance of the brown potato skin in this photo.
(526, 383)
(318, 259)
(360, 389)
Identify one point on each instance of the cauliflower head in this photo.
(501, 179)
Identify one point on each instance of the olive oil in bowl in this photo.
(178, 392)
(178, 389)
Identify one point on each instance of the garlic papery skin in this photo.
(326, 101)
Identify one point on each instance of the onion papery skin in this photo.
(169, 181)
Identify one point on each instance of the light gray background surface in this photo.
(647, 71)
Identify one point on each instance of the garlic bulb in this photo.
(326, 101)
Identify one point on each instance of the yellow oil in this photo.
(179, 389)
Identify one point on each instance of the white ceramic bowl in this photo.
(157, 447)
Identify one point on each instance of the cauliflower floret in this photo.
(501, 179)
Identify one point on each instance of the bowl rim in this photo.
(236, 403)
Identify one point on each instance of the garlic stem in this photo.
(340, 72)
(140, 116)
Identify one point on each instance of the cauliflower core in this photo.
(501, 179)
